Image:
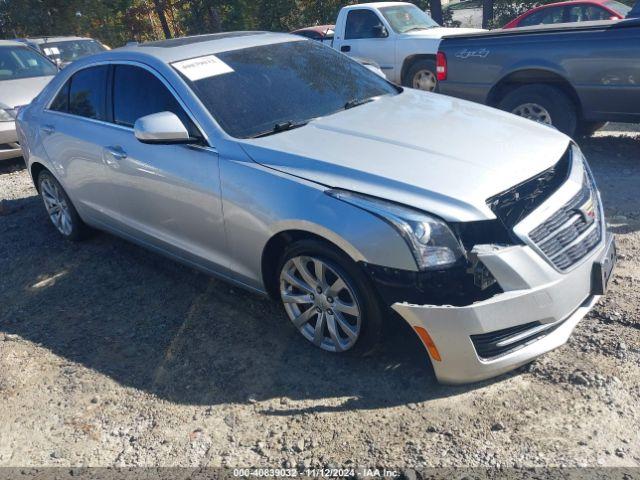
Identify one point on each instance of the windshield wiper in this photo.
(281, 127)
(356, 102)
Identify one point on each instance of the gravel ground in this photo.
(113, 356)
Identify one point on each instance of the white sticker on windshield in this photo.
(51, 51)
(202, 67)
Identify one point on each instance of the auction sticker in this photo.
(51, 51)
(202, 67)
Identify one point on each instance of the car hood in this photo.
(438, 32)
(435, 153)
(21, 91)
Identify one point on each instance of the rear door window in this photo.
(544, 17)
(87, 93)
(586, 13)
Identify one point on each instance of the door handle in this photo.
(47, 129)
(117, 153)
(345, 48)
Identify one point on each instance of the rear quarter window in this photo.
(87, 93)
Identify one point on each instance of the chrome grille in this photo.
(572, 231)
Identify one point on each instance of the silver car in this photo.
(64, 50)
(287, 168)
(23, 74)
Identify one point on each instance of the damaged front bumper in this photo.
(535, 313)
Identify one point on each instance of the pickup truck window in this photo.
(286, 83)
(405, 18)
(362, 23)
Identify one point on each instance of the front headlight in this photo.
(7, 115)
(431, 241)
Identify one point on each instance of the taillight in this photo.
(441, 66)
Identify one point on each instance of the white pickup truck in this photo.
(399, 36)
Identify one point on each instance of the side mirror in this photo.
(163, 127)
(379, 31)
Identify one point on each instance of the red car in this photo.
(572, 11)
(320, 32)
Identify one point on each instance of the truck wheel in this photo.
(422, 76)
(544, 104)
(329, 299)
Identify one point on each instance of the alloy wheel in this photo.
(533, 111)
(320, 303)
(425, 80)
(57, 206)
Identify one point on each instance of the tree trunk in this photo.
(216, 25)
(487, 13)
(159, 4)
(435, 7)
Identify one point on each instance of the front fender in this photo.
(260, 202)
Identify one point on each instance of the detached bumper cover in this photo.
(535, 294)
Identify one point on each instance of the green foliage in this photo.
(116, 22)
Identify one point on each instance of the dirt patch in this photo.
(111, 355)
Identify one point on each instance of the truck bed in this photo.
(552, 28)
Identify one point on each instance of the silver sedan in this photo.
(23, 74)
(287, 168)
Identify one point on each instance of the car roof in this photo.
(183, 48)
(41, 40)
(377, 5)
(316, 28)
(568, 2)
(11, 43)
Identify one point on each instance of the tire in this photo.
(365, 321)
(544, 103)
(60, 210)
(587, 129)
(422, 68)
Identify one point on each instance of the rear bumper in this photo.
(9, 147)
(534, 294)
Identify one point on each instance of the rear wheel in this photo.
(544, 104)
(328, 299)
(61, 211)
(422, 76)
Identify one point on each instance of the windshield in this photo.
(23, 62)
(259, 88)
(620, 8)
(71, 50)
(404, 18)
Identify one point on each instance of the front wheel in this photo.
(422, 76)
(328, 299)
(543, 104)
